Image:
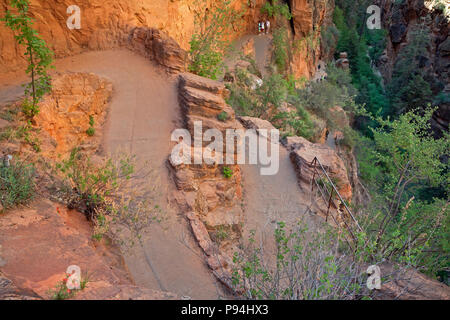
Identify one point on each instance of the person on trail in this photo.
(267, 26)
(262, 27)
(259, 27)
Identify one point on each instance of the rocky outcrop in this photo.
(309, 17)
(343, 62)
(302, 153)
(67, 112)
(160, 48)
(50, 238)
(205, 194)
(410, 284)
(105, 25)
(160, 29)
(111, 24)
(8, 291)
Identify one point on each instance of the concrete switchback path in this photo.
(142, 115)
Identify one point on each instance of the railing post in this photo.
(329, 204)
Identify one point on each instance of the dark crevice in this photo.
(291, 22)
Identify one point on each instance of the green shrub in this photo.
(227, 172)
(109, 191)
(273, 91)
(281, 48)
(38, 56)
(303, 266)
(208, 44)
(400, 225)
(17, 183)
(90, 132)
(223, 116)
(276, 9)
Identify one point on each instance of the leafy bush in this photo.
(208, 43)
(111, 191)
(273, 91)
(17, 183)
(227, 172)
(320, 97)
(223, 116)
(400, 226)
(275, 9)
(38, 55)
(281, 48)
(303, 267)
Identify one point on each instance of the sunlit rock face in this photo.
(111, 24)
(309, 17)
(108, 24)
(65, 114)
(303, 152)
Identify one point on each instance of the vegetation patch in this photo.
(17, 184)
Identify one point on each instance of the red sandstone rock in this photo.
(303, 153)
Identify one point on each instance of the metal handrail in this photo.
(329, 197)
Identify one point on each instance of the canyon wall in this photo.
(309, 19)
(110, 24)
(400, 19)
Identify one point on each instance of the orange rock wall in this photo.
(107, 24)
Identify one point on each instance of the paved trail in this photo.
(143, 111)
(270, 199)
(262, 45)
(142, 115)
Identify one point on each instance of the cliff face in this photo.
(399, 20)
(309, 17)
(109, 24)
(104, 24)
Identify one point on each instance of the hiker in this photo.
(262, 27)
(259, 27)
(267, 26)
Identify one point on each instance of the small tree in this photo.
(408, 90)
(39, 56)
(209, 42)
(400, 226)
(275, 9)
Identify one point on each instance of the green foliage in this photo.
(227, 172)
(273, 91)
(281, 48)
(221, 234)
(243, 101)
(62, 292)
(305, 267)
(223, 116)
(17, 183)
(403, 227)
(256, 103)
(296, 123)
(329, 38)
(276, 9)
(363, 49)
(22, 133)
(91, 130)
(109, 192)
(320, 97)
(209, 43)
(408, 90)
(39, 56)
